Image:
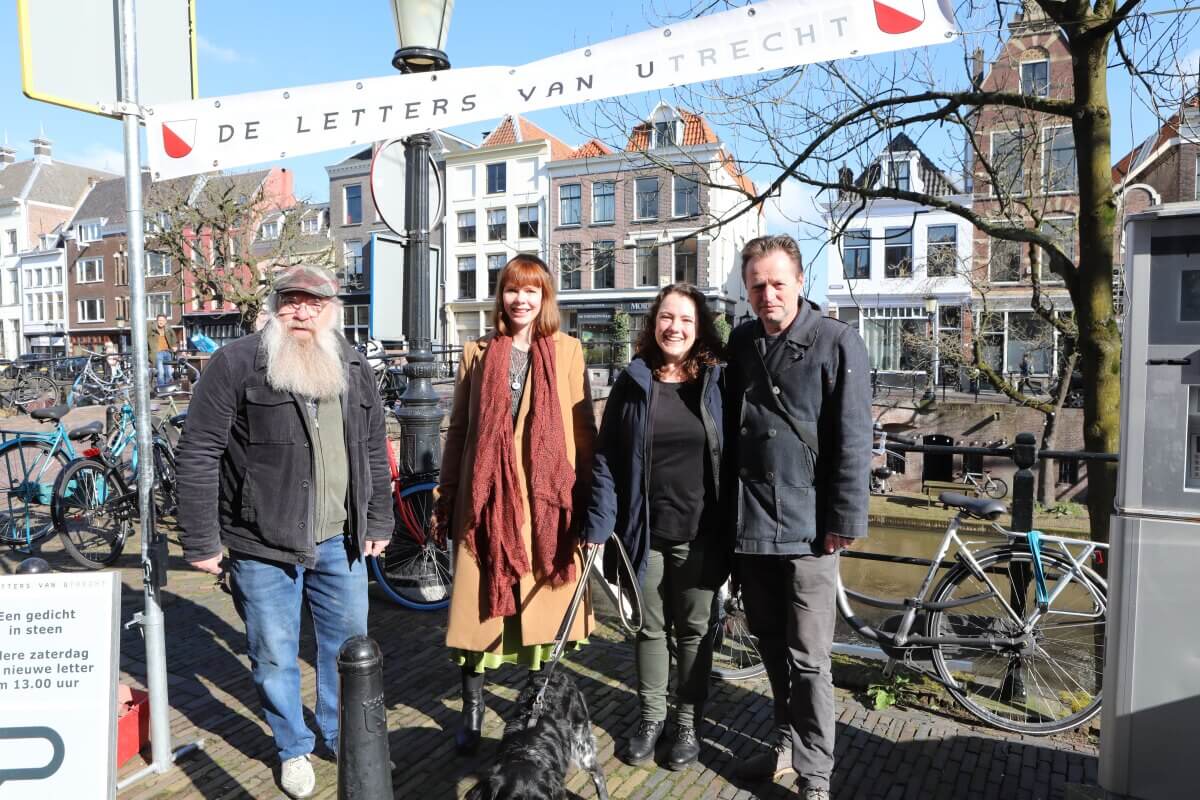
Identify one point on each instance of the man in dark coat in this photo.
(285, 465)
(800, 421)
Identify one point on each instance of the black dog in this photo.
(534, 758)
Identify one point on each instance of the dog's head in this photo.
(517, 781)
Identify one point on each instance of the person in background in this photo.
(162, 344)
(655, 481)
(515, 471)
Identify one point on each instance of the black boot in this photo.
(466, 741)
(641, 746)
(685, 749)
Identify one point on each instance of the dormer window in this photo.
(664, 134)
(270, 230)
(898, 175)
(310, 224)
(89, 232)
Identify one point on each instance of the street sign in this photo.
(69, 54)
(238, 130)
(387, 287)
(387, 187)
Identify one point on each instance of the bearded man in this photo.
(284, 463)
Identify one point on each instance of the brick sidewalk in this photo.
(889, 754)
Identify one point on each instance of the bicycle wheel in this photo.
(735, 649)
(1049, 684)
(35, 389)
(996, 488)
(166, 486)
(413, 571)
(91, 513)
(28, 472)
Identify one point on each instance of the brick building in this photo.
(624, 223)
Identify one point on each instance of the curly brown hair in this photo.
(708, 349)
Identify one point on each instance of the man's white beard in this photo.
(309, 367)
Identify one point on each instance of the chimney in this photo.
(977, 68)
(41, 148)
(8, 155)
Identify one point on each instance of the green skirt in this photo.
(511, 651)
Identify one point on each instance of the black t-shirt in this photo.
(681, 493)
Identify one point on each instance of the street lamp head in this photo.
(421, 29)
(931, 305)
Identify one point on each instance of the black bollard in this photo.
(364, 768)
(33, 566)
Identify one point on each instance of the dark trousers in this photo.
(790, 607)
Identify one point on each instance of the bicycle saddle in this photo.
(982, 507)
(93, 428)
(178, 419)
(53, 413)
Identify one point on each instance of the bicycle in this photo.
(414, 570)
(1014, 632)
(29, 386)
(92, 388)
(985, 485)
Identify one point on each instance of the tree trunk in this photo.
(1047, 468)
(1092, 289)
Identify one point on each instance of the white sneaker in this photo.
(297, 778)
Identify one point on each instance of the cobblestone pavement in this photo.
(888, 754)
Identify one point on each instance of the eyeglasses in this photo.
(291, 303)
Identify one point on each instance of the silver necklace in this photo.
(518, 365)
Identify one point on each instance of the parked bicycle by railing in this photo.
(985, 484)
(27, 384)
(104, 379)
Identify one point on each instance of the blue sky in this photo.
(247, 46)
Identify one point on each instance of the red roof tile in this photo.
(739, 177)
(593, 148)
(695, 131)
(507, 133)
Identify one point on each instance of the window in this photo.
(12, 241)
(352, 258)
(604, 206)
(1035, 78)
(1030, 335)
(604, 265)
(495, 264)
(941, 250)
(497, 221)
(466, 277)
(89, 232)
(497, 178)
(311, 224)
(58, 275)
(120, 271)
(89, 270)
(1004, 264)
(569, 203)
(898, 175)
(664, 133)
(647, 265)
(29, 308)
(91, 310)
(158, 265)
(354, 204)
(646, 198)
(1062, 231)
(1008, 162)
(896, 338)
(897, 253)
(269, 230)
(356, 322)
(1058, 160)
(527, 222)
(686, 268)
(856, 255)
(466, 227)
(158, 303)
(687, 197)
(569, 265)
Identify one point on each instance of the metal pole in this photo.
(419, 415)
(154, 560)
(1024, 455)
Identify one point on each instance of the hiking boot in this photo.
(773, 763)
(814, 793)
(641, 746)
(685, 749)
(296, 777)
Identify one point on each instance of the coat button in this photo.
(745, 431)
(775, 389)
(770, 476)
(745, 473)
(303, 484)
(771, 433)
(301, 526)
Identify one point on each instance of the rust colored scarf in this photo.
(497, 513)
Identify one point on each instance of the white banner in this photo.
(235, 131)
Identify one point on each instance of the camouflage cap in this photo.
(317, 281)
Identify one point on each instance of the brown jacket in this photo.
(541, 607)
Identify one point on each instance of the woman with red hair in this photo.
(518, 453)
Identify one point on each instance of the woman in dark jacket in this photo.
(655, 481)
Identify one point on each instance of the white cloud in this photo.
(226, 55)
(96, 156)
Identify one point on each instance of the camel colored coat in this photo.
(541, 607)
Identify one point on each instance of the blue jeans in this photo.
(268, 596)
(162, 363)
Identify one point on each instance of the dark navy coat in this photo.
(800, 434)
(620, 478)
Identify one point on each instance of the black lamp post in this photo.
(421, 27)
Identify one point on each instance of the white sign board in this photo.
(238, 130)
(387, 288)
(69, 53)
(58, 685)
